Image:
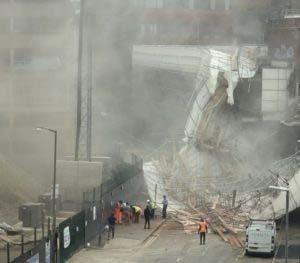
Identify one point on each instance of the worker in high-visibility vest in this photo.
(118, 213)
(136, 212)
(152, 207)
(202, 230)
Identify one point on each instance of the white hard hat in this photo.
(148, 201)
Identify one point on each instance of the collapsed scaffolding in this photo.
(216, 174)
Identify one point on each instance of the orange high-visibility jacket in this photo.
(202, 227)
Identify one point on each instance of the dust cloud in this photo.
(138, 108)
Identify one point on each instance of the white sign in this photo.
(67, 237)
(34, 259)
(94, 213)
(47, 252)
(56, 191)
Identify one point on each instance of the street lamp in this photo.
(286, 189)
(54, 176)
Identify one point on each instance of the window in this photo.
(176, 3)
(33, 1)
(37, 25)
(220, 4)
(143, 30)
(153, 29)
(148, 3)
(227, 4)
(148, 29)
(4, 25)
(160, 3)
(202, 4)
(28, 59)
(4, 59)
(295, 4)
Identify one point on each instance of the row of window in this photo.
(195, 31)
(26, 59)
(31, 25)
(190, 4)
(182, 30)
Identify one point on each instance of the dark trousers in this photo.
(137, 217)
(202, 238)
(165, 211)
(112, 230)
(147, 221)
(152, 213)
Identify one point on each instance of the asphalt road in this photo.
(173, 245)
(168, 245)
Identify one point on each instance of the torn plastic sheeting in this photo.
(204, 61)
(207, 79)
(279, 202)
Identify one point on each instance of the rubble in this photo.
(217, 173)
(8, 229)
(190, 222)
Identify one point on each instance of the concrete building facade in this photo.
(38, 64)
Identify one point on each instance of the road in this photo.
(169, 244)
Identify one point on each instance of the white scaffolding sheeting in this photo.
(206, 62)
(294, 202)
(220, 170)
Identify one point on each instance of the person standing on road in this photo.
(152, 207)
(165, 205)
(111, 224)
(147, 214)
(202, 230)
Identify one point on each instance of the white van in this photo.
(260, 236)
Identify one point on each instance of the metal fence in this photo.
(30, 248)
(88, 225)
(98, 203)
(71, 234)
(38, 254)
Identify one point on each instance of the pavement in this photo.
(165, 242)
(128, 239)
(294, 244)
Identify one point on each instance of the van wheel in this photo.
(272, 253)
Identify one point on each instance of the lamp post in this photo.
(54, 176)
(286, 189)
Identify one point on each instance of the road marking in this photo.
(204, 251)
(240, 256)
(153, 236)
(152, 239)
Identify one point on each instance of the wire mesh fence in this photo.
(84, 227)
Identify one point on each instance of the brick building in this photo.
(186, 22)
